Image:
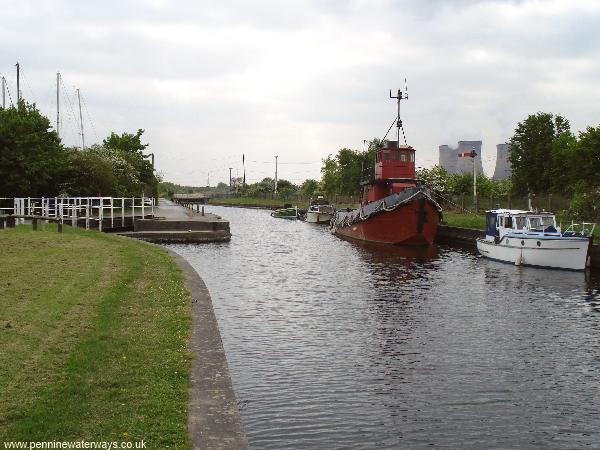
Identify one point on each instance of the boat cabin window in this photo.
(386, 155)
(540, 222)
(520, 222)
(395, 155)
(548, 221)
(412, 156)
(508, 222)
(403, 156)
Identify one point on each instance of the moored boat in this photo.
(320, 211)
(286, 213)
(395, 207)
(532, 238)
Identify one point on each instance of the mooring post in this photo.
(60, 226)
(203, 211)
(34, 224)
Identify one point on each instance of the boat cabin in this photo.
(513, 222)
(394, 171)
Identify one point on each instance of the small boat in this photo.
(532, 238)
(286, 213)
(320, 211)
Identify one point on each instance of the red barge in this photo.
(395, 207)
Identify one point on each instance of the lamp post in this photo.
(151, 156)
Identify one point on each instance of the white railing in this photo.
(74, 209)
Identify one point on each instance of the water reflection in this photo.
(333, 344)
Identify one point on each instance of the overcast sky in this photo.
(210, 81)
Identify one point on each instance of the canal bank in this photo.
(213, 416)
(94, 345)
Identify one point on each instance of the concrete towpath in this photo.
(172, 211)
(174, 223)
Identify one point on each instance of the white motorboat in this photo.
(320, 211)
(533, 239)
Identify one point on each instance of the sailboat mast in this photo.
(3, 93)
(81, 121)
(58, 103)
(18, 84)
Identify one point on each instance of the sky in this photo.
(211, 81)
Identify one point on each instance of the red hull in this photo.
(406, 225)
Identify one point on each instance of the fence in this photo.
(95, 212)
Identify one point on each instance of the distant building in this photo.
(450, 160)
(503, 169)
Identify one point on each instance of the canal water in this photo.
(331, 344)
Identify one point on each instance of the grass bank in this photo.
(93, 332)
(456, 219)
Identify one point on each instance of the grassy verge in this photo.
(93, 331)
(456, 219)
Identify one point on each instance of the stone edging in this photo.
(214, 420)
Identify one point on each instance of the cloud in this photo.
(302, 79)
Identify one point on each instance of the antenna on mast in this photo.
(400, 95)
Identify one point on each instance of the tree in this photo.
(586, 159)
(32, 158)
(561, 167)
(126, 142)
(343, 173)
(129, 147)
(286, 188)
(531, 151)
(330, 175)
(309, 187)
(436, 179)
(88, 174)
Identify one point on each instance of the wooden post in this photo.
(203, 210)
(60, 226)
(34, 224)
